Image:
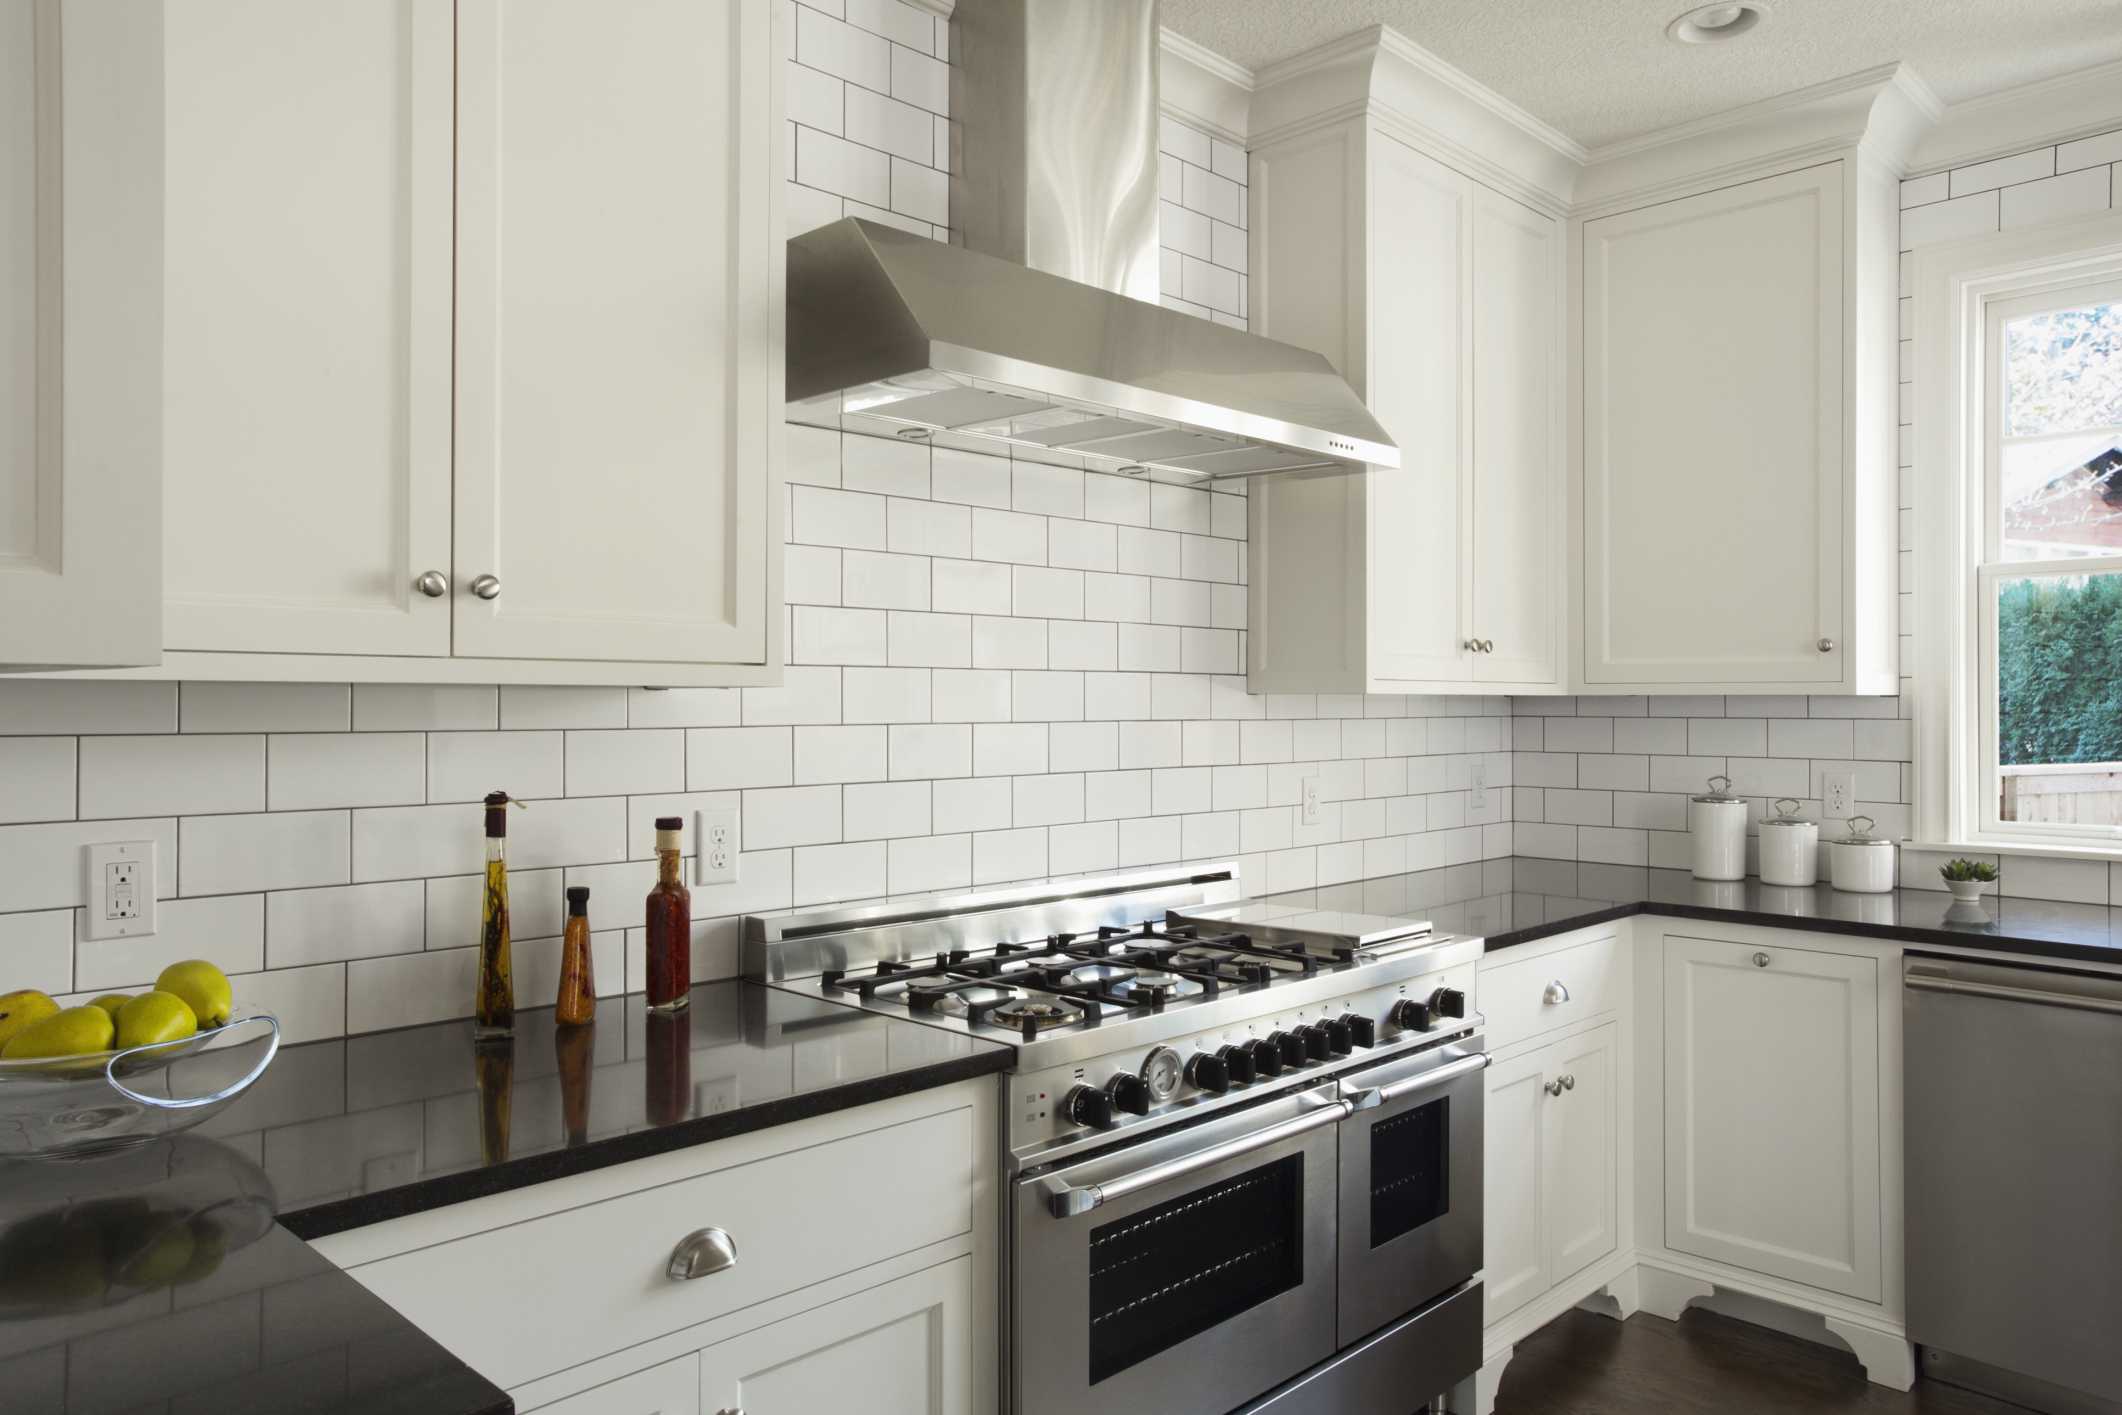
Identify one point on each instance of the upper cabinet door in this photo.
(1419, 387)
(80, 333)
(1518, 460)
(307, 404)
(1714, 448)
(618, 329)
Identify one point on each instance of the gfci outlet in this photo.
(1838, 791)
(1308, 806)
(717, 829)
(1477, 787)
(118, 889)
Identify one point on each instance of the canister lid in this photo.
(1787, 814)
(1861, 834)
(1722, 797)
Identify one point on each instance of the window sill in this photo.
(2110, 854)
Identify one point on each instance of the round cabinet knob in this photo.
(1826, 646)
(1362, 1031)
(1760, 960)
(1448, 1002)
(1338, 1040)
(1206, 1071)
(1473, 646)
(1087, 1105)
(434, 584)
(1129, 1092)
(1555, 994)
(487, 587)
(1488, 646)
(1237, 1064)
(1569, 1083)
(702, 1253)
(1553, 1088)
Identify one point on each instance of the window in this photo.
(2019, 539)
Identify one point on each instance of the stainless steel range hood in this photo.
(1004, 340)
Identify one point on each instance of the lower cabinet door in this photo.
(1772, 1111)
(900, 1349)
(1578, 1152)
(672, 1388)
(1513, 1239)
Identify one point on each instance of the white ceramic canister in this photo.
(1790, 847)
(1860, 862)
(1717, 821)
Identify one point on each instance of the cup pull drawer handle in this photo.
(1555, 994)
(702, 1253)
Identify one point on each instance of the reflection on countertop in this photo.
(156, 1279)
(1516, 900)
(370, 1127)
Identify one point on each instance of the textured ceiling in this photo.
(1603, 70)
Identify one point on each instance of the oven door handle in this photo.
(1065, 1200)
(1371, 1097)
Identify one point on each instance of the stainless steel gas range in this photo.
(1241, 1144)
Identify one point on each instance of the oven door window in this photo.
(1410, 1176)
(1166, 1274)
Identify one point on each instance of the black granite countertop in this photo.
(175, 1276)
(1516, 900)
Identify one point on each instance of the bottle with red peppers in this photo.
(670, 924)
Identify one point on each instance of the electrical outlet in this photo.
(719, 844)
(118, 889)
(1477, 787)
(1838, 791)
(1308, 809)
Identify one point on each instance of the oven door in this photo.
(1410, 1183)
(1184, 1275)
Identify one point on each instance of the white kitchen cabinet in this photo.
(1551, 1199)
(1772, 1111)
(672, 1388)
(473, 342)
(902, 1346)
(1737, 529)
(80, 302)
(1439, 297)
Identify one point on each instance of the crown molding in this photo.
(1204, 90)
(1414, 94)
(2012, 120)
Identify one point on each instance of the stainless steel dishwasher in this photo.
(2014, 1180)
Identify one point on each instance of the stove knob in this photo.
(1413, 1015)
(1317, 1045)
(1087, 1105)
(1294, 1051)
(1238, 1063)
(1448, 1002)
(1267, 1056)
(1338, 1040)
(1129, 1092)
(1361, 1030)
(1206, 1071)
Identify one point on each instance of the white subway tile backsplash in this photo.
(805, 695)
(1040, 593)
(308, 926)
(971, 478)
(79, 706)
(37, 950)
(929, 528)
(927, 863)
(729, 758)
(41, 866)
(1949, 220)
(2003, 172)
(924, 751)
(920, 80)
(825, 754)
(465, 766)
(312, 770)
(536, 907)
(885, 810)
(1008, 535)
(37, 778)
(265, 707)
(281, 850)
(683, 707)
(1008, 643)
(800, 815)
(824, 516)
(556, 707)
(1809, 737)
(228, 932)
(879, 581)
(842, 50)
(618, 763)
(840, 874)
(171, 775)
(1002, 856)
(2056, 198)
(413, 707)
(2089, 152)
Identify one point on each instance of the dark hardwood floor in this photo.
(1583, 1364)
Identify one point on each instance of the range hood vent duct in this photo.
(1041, 332)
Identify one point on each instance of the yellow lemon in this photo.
(76, 1031)
(155, 1017)
(203, 987)
(110, 1002)
(19, 1009)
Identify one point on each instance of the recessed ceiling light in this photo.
(1712, 24)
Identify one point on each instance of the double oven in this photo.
(1314, 1252)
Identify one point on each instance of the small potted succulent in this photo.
(1965, 878)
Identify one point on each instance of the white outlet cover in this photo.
(1308, 809)
(1477, 787)
(716, 830)
(1838, 792)
(118, 889)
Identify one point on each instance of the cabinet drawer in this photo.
(528, 1299)
(1522, 1000)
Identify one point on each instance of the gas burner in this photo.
(1156, 988)
(1091, 973)
(1033, 1014)
(960, 999)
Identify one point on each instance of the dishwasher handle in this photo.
(2040, 997)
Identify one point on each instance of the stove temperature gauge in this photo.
(1161, 1071)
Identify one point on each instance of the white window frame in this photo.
(1953, 287)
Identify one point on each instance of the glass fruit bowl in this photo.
(74, 1105)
